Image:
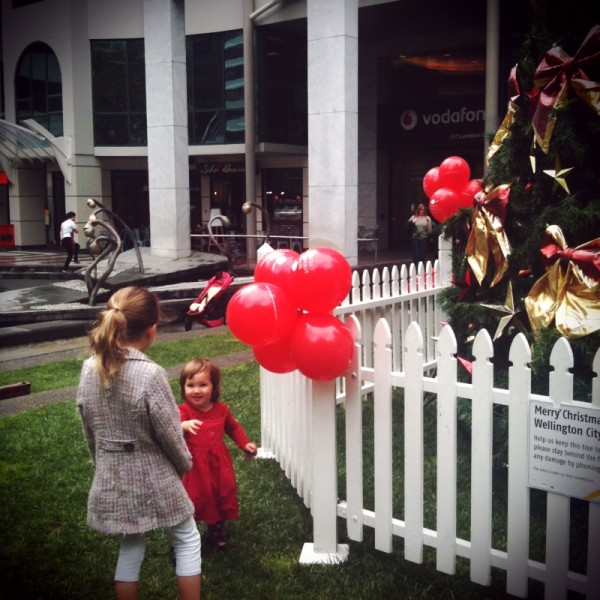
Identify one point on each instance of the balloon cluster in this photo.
(285, 315)
(449, 187)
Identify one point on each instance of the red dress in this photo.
(211, 481)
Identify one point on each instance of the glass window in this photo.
(119, 92)
(38, 88)
(283, 195)
(283, 86)
(215, 68)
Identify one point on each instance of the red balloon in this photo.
(276, 267)
(321, 279)
(322, 346)
(261, 313)
(431, 181)
(444, 203)
(468, 193)
(454, 173)
(276, 357)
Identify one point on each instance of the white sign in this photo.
(564, 449)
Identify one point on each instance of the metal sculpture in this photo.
(107, 244)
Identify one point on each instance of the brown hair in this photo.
(129, 313)
(197, 365)
(419, 207)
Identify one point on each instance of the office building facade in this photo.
(325, 114)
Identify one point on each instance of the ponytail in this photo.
(129, 313)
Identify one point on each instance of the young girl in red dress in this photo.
(204, 419)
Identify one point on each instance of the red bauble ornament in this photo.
(276, 357)
(431, 181)
(276, 267)
(468, 192)
(454, 173)
(322, 346)
(444, 203)
(321, 279)
(261, 313)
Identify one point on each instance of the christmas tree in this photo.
(527, 256)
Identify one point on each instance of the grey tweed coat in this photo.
(134, 436)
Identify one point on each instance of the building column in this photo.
(333, 125)
(26, 201)
(166, 107)
(86, 182)
(492, 69)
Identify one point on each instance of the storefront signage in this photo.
(427, 124)
(564, 449)
(221, 168)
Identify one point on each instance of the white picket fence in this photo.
(398, 344)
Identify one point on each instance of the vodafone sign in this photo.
(433, 124)
(409, 119)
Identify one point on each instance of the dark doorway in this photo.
(130, 198)
(56, 210)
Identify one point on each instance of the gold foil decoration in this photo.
(511, 316)
(504, 129)
(557, 75)
(488, 239)
(559, 175)
(569, 291)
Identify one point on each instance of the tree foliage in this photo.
(536, 199)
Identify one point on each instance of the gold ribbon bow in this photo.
(516, 101)
(569, 291)
(487, 237)
(556, 74)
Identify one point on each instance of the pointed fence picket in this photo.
(400, 344)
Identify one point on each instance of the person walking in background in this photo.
(68, 229)
(131, 425)
(204, 420)
(420, 227)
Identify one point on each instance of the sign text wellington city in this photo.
(564, 449)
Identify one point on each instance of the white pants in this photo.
(185, 539)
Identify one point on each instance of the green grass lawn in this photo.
(65, 373)
(48, 552)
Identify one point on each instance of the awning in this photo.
(32, 143)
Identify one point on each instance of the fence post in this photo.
(445, 262)
(517, 542)
(382, 427)
(413, 444)
(482, 429)
(559, 506)
(325, 548)
(354, 437)
(593, 573)
(446, 470)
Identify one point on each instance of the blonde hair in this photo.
(129, 313)
(198, 365)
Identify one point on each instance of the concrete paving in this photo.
(39, 302)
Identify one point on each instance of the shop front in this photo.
(283, 199)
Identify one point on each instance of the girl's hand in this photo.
(191, 426)
(250, 448)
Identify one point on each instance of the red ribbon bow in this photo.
(556, 74)
(495, 201)
(586, 258)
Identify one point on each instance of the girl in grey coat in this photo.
(131, 425)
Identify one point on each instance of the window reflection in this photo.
(215, 64)
(38, 88)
